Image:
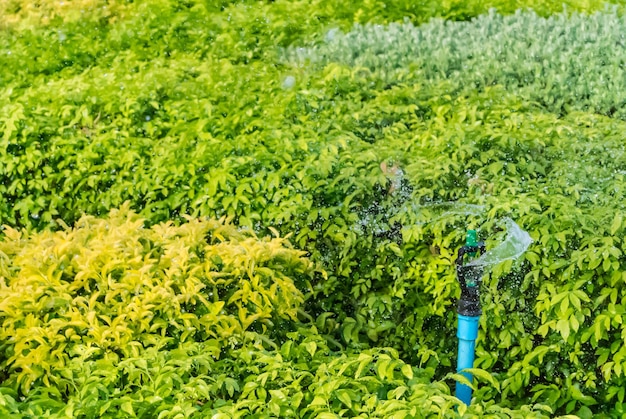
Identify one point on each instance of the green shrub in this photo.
(112, 319)
(565, 62)
(376, 173)
(112, 288)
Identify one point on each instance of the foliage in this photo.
(114, 320)
(113, 288)
(25, 14)
(188, 109)
(555, 168)
(565, 63)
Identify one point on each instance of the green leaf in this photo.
(484, 376)
(584, 413)
(382, 368)
(460, 378)
(344, 396)
(616, 224)
(407, 371)
(310, 347)
(364, 361)
(127, 407)
(563, 327)
(231, 386)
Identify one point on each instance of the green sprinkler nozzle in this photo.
(471, 240)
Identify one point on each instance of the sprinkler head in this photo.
(471, 237)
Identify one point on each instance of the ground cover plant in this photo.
(373, 147)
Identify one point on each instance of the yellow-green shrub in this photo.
(20, 13)
(112, 288)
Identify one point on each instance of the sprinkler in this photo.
(468, 309)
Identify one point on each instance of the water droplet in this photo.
(289, 82)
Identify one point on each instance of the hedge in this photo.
(112, 319)
(376, 172)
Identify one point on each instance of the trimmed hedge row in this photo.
(565, 62)
(24, 15)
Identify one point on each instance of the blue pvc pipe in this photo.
(467, 332)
